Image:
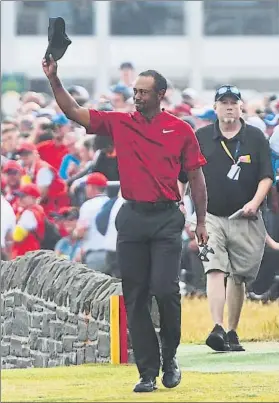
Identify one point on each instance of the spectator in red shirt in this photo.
(30, 226)
(152, 147)
(53, 189)
(53, 151)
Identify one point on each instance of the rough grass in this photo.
(259, 322)
(105, 383)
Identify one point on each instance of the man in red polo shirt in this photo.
(152, 146)
(53, 151)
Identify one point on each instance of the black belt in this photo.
(152, 206)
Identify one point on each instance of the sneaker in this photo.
(234, 341)
(217, 339)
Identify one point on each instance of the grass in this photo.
(106, 383)
(259, 322)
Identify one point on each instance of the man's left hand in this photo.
(250, 209)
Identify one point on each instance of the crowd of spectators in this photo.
(60, 187)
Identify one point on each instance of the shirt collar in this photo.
(140, 118)
(239, 136)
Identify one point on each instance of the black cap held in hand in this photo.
(58, 40)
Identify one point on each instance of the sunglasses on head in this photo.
(227, 88)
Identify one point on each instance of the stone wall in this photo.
(54, 312)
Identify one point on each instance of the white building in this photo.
(196, 43)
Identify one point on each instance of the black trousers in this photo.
(149, 252)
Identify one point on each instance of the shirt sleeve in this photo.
(84, 214)
(28, 221)
(101, 122)
(192, 157)
(44, 177)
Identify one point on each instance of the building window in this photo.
(32, 16)
(241, 17)
(147, 17)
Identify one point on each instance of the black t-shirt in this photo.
(108, 166)
(226, 196)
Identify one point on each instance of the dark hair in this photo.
(126, 65)
(160, 81)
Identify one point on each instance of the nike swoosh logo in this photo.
(168, 131)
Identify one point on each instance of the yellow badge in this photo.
(246, 159)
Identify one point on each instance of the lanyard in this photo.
(227, 151)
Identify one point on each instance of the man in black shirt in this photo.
(238, 175)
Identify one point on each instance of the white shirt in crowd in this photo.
(28, 221)
(92, 240)
(8, 220)
(274, 140)
(111, 234)
(44, 176)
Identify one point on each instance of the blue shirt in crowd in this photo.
(66, 161)
(68, 248)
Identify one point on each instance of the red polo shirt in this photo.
(52, 153)
(150, 154)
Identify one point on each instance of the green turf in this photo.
(251, 376)
(257, 357)
(109, 383)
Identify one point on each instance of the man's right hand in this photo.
(50, 69)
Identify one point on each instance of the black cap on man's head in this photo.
(228, 91)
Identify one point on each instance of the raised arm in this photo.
(65, 101)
